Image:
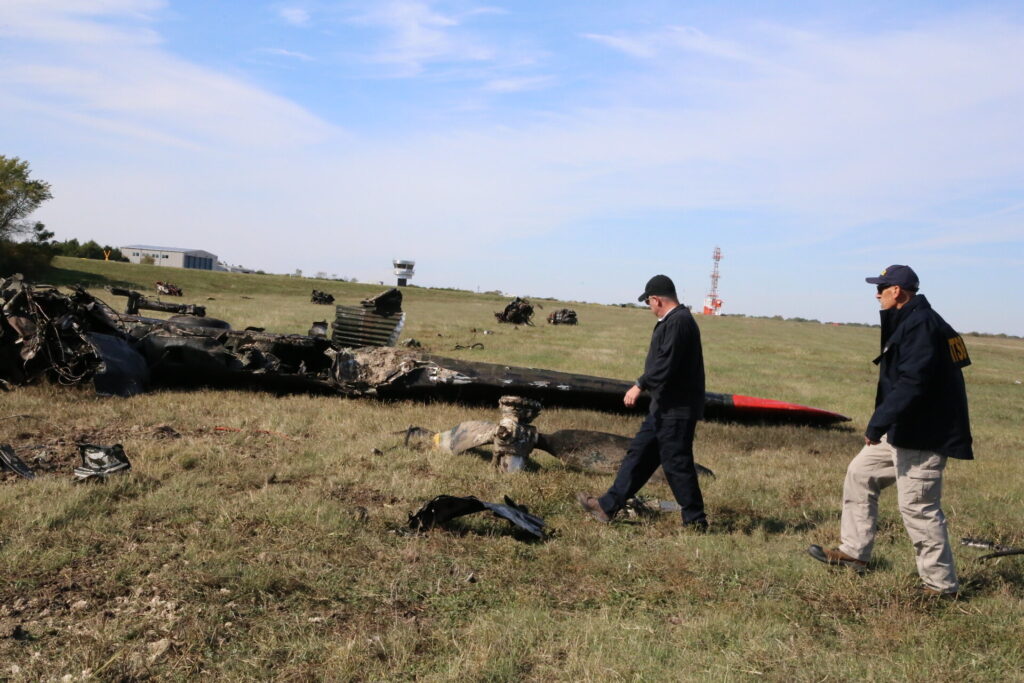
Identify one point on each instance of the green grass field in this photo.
(279, 551)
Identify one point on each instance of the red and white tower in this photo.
(712, 304)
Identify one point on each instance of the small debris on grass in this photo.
(99, 462)
(158, 649)
(444, 508)
(165, 431)
(10, 460)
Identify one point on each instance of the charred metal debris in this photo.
(444, 508)
(563, 316)
(997, 549)
(138, 301)
(168, 289)
(9, 460)
(319, 297)
(513, 438)
(517, 312)
(98, 462)
(72, 337)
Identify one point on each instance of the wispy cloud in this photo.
(632, 46)
(296, 16)
(87, 23)
(523, 84)
(281, 52)
(124, 79)
(665, 41)
(416, 35)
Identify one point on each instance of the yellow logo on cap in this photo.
(883, 272)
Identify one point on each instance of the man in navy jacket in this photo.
(920, 420)
(674, 378)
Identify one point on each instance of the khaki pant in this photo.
(918, 478)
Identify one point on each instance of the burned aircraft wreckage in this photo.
(73, 337)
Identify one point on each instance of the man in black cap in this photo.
(674, 378)
(920, 420)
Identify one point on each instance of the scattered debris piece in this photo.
(412, 343)
(475, 346)
(377, 321)
(10, 460)
(1000, 550)
(158, 649)
(318, 329)
(168, 289)
(99, 462)
(138, 301)
(517, 312)
(563, 316)
(166, 432)
(319, 297)
(513, 436)
(387, 302)
(443, 508)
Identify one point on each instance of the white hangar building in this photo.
(171, 256)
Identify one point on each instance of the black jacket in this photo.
(921, 401)
(674, 370)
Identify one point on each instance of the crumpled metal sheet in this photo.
(444, 508)
(122, 370)
(99, 462)
(10, 460)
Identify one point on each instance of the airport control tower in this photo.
(404, 270)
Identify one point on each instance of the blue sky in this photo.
(567, 149)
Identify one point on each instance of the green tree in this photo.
(19, 196)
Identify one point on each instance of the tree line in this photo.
(27, 246)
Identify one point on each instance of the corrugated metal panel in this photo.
(355, 326)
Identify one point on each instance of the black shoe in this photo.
(700, 526)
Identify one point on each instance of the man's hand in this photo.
(869, 442)
(631, 396)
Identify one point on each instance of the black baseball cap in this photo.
(904, 276)
(659, 285)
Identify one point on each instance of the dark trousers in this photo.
(661, 441)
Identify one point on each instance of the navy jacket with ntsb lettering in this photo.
(674, 369)
(921, 401)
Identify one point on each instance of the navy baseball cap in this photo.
(904, 276)
(659, 285)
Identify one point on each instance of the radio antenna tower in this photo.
(713, 304)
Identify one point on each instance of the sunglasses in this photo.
(882, 288)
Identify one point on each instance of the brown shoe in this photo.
(590, 504)
(834, 556)
(930, 592)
